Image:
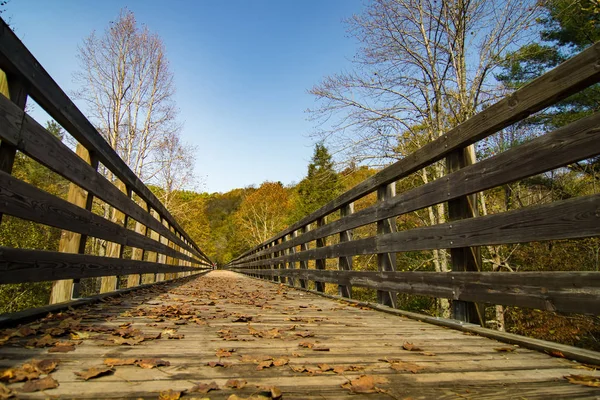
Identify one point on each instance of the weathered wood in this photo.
(566, 219)
(320, 263)
(73, 242)
(15, 59)
(304, 263)
(464, 258)
(20, 265)
(32, 139)
(568, 78)
(13, 89)
(114, 250)
(553, 291)
(345, 263)
(138, 254)
(386, 261)
(25, 201)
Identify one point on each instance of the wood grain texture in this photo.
(451, 365)
(577, 141)
(25, 201)
(577, 292)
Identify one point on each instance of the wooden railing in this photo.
(286, 256)
(138, 219)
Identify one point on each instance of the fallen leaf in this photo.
(556, 353)
(264, 364)
(61, 348)
(176, 336)
(5, 393)
(44, 366)
(120, 361)
(39, 384)
(242, 318)
(169, 395)
(410, 347)
(219, 364)
(204, 388)
(271, 392)
(130, 342)
(306, 345)
(586, 380)
(44, 341)
(341, 369)
(79, 335)
(149, 363)
(304, 334)
(224, 352)
(94, 372)
(405, 366)
(364, 384)
(505, 349)
(297, 355)
(325, 367)
(26, 373)
(278, 362)
(236, 384)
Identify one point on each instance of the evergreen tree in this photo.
(320, 186)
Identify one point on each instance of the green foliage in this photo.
(18, 233)
(320, 186)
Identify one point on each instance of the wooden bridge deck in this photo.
(260, 329)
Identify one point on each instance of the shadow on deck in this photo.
(225, 326)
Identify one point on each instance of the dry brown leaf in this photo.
(410, 347)
(75, 335)
(364, 384)
(264, 364)
(26, 373)
(236, 384)
(124, 341)
(405, 366)
(120, 361)
(242, 318)
(325, 367)
(44, 366)
(224, 352)
(61, 348)
(278, 362)
(505, 349)
(204, 388)
(271, 392)
(5, 393)
(39, 384)
(44, 341)
(340, 369)
(556, 353)
(586, 380)
(304, 334)
(219, 364)
(306, 345)
(149, 363)
(169, 395)
(94, 372)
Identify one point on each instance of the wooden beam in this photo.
(345, 263)
(320, 263)
(386, 261)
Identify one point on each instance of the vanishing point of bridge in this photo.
(168, 326)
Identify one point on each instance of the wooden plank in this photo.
(25, 201)
(109, 283)
(464, 258)
(386, 261)
(16, 59)
(320, 263)
(20, 265)
(345, 263)
(573, 75)
(15, 92)
(566, 219)
(32, 139)
(73, 242)
(304, 263)
(577, 292)
(138, 254)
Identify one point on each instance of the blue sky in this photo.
(242, 70)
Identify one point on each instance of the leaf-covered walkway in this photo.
(224, 335)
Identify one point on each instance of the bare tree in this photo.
(126, 82)
(176, 161)
(424, 67)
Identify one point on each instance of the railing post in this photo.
(15, 91)
(464, 258)
(137, 254)
(345, 263)
(320, 263)
(304, 263)
(386, 261)
(272, 266)
(283, 264)
(110, 283)
(292, 264)
(71, 242)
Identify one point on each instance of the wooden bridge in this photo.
(167, 325)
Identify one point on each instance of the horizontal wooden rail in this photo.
(17, 60)
(32, 139)
(575, 292)
(568, 78)
(21, 265)
(465, 231)
(572, 143)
